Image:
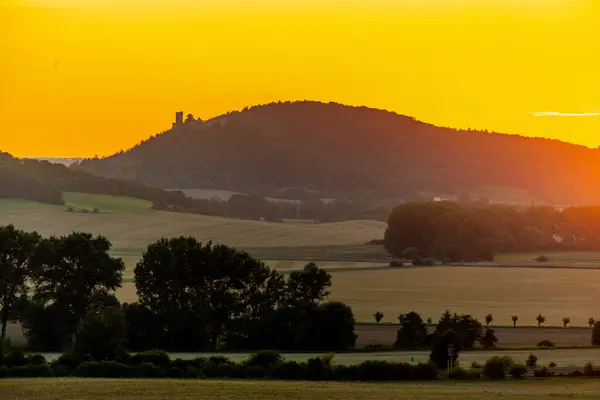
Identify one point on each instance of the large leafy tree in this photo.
(309, 286)
(101, 334)
(214, 285)
(76, 273)
(16, 250)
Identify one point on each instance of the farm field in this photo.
(80, 201)
(124, 389)
(556, 293)
(507, 337)
(133, 232)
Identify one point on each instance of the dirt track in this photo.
(386, 335)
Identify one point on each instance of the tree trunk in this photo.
(4, 318)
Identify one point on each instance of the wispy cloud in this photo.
(561, 114)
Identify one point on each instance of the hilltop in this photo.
(354, 153)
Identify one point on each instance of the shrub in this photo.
(475, 364)
(290, 370)
(67, 359)
(156, 357)
(424, 372)
(96, 210)
(531, 361)
(418, 261)
(396, 264)
(266, 359)
(218, 360)
(35, 359)
(495, 368)
(71, 209)
(542, 372)
(15, 357)
(192, 372)
(256, 372)
(175, 373)
(4, 371)
(62, 371)
(542, 258)
(229, 370)
(458, 373)
(148, 370)
(545, 343)
(103, 369)
(552, 364)
(319, 369)
(31, 371)
(376, 370)
(428, 262)
(410, 253)
(517, 371)
(588, 369)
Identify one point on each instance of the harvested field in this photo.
(556, 293)
(132, 233)
(507, 337)
(138, 389)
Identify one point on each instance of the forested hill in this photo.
(45, 182)
(353, 153)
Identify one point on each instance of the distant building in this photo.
(178, 118)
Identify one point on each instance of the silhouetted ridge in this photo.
(350, 152)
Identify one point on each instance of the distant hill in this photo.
(45, 182)
(353, 153)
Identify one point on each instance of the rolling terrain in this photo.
(355, 153)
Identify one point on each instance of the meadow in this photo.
(79, 202)
(132, 232)
(124, 389)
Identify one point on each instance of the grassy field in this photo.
(507, 337)
(106, 203)
(96, 389)
(556, 293)
(79, 202)
(133, 232)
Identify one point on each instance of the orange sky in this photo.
(86, 77)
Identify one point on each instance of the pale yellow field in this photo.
(555, 293)
(503, 292)
(137, 231)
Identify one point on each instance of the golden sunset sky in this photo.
(86, 77)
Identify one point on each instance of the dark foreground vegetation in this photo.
(354, 153)
(463, 231)
(198, 297)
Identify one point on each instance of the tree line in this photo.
(45, 182)
(452, 231)
(352, 153)
(192, 296)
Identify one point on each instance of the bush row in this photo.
(262, 365)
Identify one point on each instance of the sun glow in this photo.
(81, 77)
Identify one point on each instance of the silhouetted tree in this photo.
(540, 319)
(16, 249)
